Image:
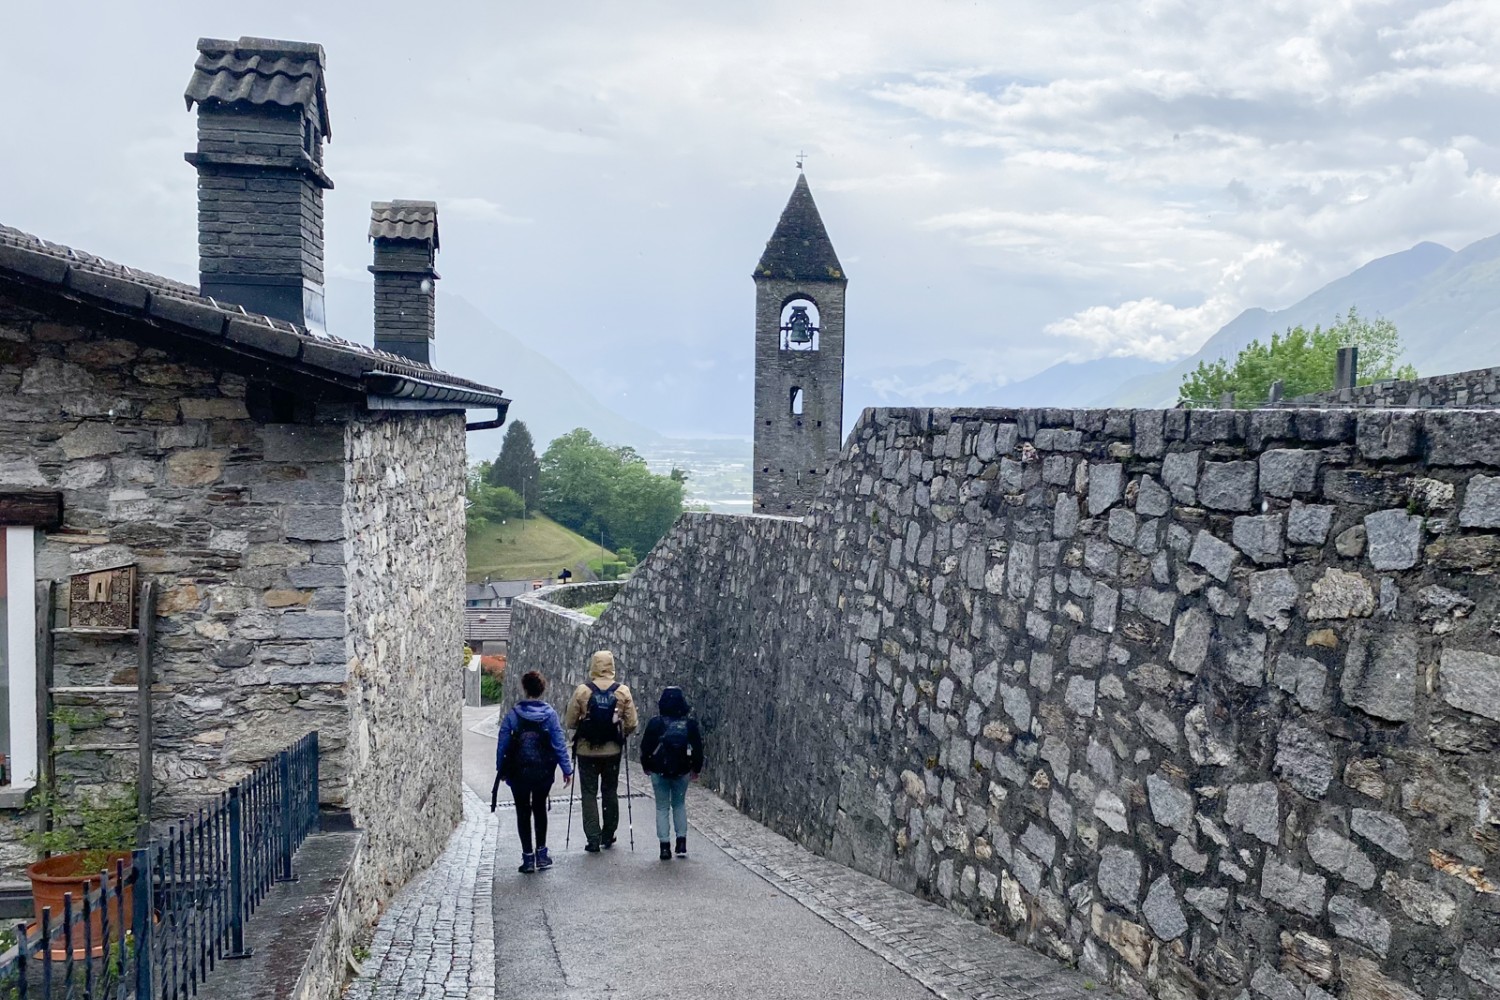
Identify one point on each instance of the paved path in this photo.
(749, 914)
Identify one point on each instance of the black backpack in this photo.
(598, 725)
(673, 754)
(531, 760)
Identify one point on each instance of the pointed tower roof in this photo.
(799, 249)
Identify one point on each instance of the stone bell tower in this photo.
(799, 359)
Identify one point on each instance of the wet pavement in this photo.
(748, 914)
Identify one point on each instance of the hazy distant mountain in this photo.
(472, 345)
(1445, 304)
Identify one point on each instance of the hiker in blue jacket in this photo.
(672, 753)
(530, 750)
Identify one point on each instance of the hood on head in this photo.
(673, 703)
(602, 665)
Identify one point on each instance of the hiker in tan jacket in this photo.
(601, 714)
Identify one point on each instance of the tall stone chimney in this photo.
(262, 122)
(405, 234)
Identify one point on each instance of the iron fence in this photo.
(158, 924)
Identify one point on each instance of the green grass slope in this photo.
(534, 549)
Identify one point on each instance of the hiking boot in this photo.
(681, 847)
(666, 851)
(608, 843)
(592, 847)
(543, 859)
(528, 864)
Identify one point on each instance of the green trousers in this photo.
(600, 776)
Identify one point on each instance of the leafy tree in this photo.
(601, 491)
(1302, 360)
(516, 467)
(490, 504)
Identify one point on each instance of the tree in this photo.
(516, 467)
(601, 491)
(490, 504)
(1302, 360)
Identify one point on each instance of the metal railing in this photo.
(156, 926)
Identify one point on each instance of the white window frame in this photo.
(20, 626)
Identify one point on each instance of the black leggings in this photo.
(531, 809)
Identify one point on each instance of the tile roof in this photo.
(176, 306)
(260, 71)
(487, 624)
(799, 249)
(404, 220)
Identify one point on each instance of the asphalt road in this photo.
(625, 925)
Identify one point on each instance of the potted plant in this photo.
(75, 855)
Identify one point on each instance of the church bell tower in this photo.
(799, 359)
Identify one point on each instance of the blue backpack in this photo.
(531, 759)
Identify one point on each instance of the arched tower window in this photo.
(796, 401)
(800, 325)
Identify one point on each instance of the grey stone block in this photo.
(1152, 500)
(1122, 526)
(1360, 924)
(1340, 594)
(1120, 877)
(314, 524)
(1227, 485)
(1304, 759)
(1308, 525)
(310, 575)
(1286, 472)
(1382, 681)
(1065, 516)
(1179, 473)
(1190, 641)
(1210, 902)
(1259, 537)
(1106, 484)
(1040, 843)
(1109, 809)
(1162, 911)
(1256, 809)
(1273, 986)
(1470, 681)
(1384, 831)
(1080, 696)
(1395, 539)
(1481, 507)
(1273, 594)
(1170, 806)
(1336, 853)
(1305, 678)
(1245, 658)
(310, 625)
(1292, 888)
(1214, 555)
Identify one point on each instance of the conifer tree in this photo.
(517, 466)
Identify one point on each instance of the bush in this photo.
(489, 690)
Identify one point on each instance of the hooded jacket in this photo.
(601, 673)
(673, 704)
(532, 711)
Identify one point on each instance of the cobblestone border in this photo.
(437, 938)
(948, 954)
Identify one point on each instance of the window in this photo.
(796, 401)
(18, 736)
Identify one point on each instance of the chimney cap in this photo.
(404, 220)
(261, 71)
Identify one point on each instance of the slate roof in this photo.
(799, 249)
(260, 71)
(404, 220)
(486, 624)
(496, 590)
(178, 308)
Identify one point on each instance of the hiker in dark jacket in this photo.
(672, 753)
(530, 750)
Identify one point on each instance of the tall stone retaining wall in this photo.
(1480, 387)
(1202, 701)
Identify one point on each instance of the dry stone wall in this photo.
(1480, 387)
(1203, 701)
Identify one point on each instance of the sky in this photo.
(1008, 184)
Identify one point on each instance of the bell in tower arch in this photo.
(799, 332)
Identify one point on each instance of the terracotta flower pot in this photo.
(60, 874)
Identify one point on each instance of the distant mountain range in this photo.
(472, 345)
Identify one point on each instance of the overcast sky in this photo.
(1007, 184)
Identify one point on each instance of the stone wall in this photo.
(1480, 387)
(1203, 701)
(405, 522)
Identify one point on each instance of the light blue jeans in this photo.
(671, 806)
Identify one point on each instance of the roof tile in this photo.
(404, 220)
(261, 71)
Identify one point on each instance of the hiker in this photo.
(602, 715)
(672, 753)
(530, 750)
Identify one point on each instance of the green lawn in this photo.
(534, 549)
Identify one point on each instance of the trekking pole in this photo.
(568, 839)
(629, 813)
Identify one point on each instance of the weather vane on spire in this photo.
(800, 157)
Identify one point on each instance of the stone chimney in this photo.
(405, 234)
(262, 122)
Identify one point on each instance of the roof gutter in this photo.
(386, 391)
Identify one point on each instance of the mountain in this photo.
(474, 346)
(1446, 305)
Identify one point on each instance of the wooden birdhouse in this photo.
(103, 598)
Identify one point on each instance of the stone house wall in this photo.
(1480, 387)
(259, 518)
(404, 513)
(1203, 701)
